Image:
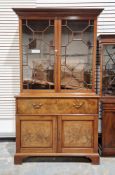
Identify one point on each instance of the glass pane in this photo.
(38, 54)
(108, 81)
(77, 53)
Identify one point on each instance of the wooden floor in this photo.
(51, 166)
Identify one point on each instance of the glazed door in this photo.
(108, 70)
(38, 54)
(77, 134)
(58, 55)
(77, 55)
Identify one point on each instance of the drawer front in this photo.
(108, 106)
(57, 106)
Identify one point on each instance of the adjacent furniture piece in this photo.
(107, 87)
(57, 108)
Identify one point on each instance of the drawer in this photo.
(109, 106)
(56, 106)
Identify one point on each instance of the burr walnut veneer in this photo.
(57, 108)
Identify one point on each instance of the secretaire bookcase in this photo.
(107, 92)
(57, 108)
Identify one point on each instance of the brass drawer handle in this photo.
(37, 106)
(78, 105)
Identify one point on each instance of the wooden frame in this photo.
(57, 106)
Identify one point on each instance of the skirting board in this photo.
(7, 135)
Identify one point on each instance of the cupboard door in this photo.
(38, 134)
(38, 54)
(108, 69)
(108, 132)
(77, 49)
(77, 134)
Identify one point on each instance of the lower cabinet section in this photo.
(108, 133)
(108, 126)
(51, 135)
(56, 126)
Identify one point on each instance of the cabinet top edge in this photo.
(105, 39)
(108, 99)
(56, 95)
(72, 11)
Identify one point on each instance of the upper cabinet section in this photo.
(107, 57)
(58, 49)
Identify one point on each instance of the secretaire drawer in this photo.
(56, 106)
(108, 106)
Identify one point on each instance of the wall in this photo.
(9, 63)
(9, 49)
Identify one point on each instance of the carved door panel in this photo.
(76, 134)
(39, 133)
